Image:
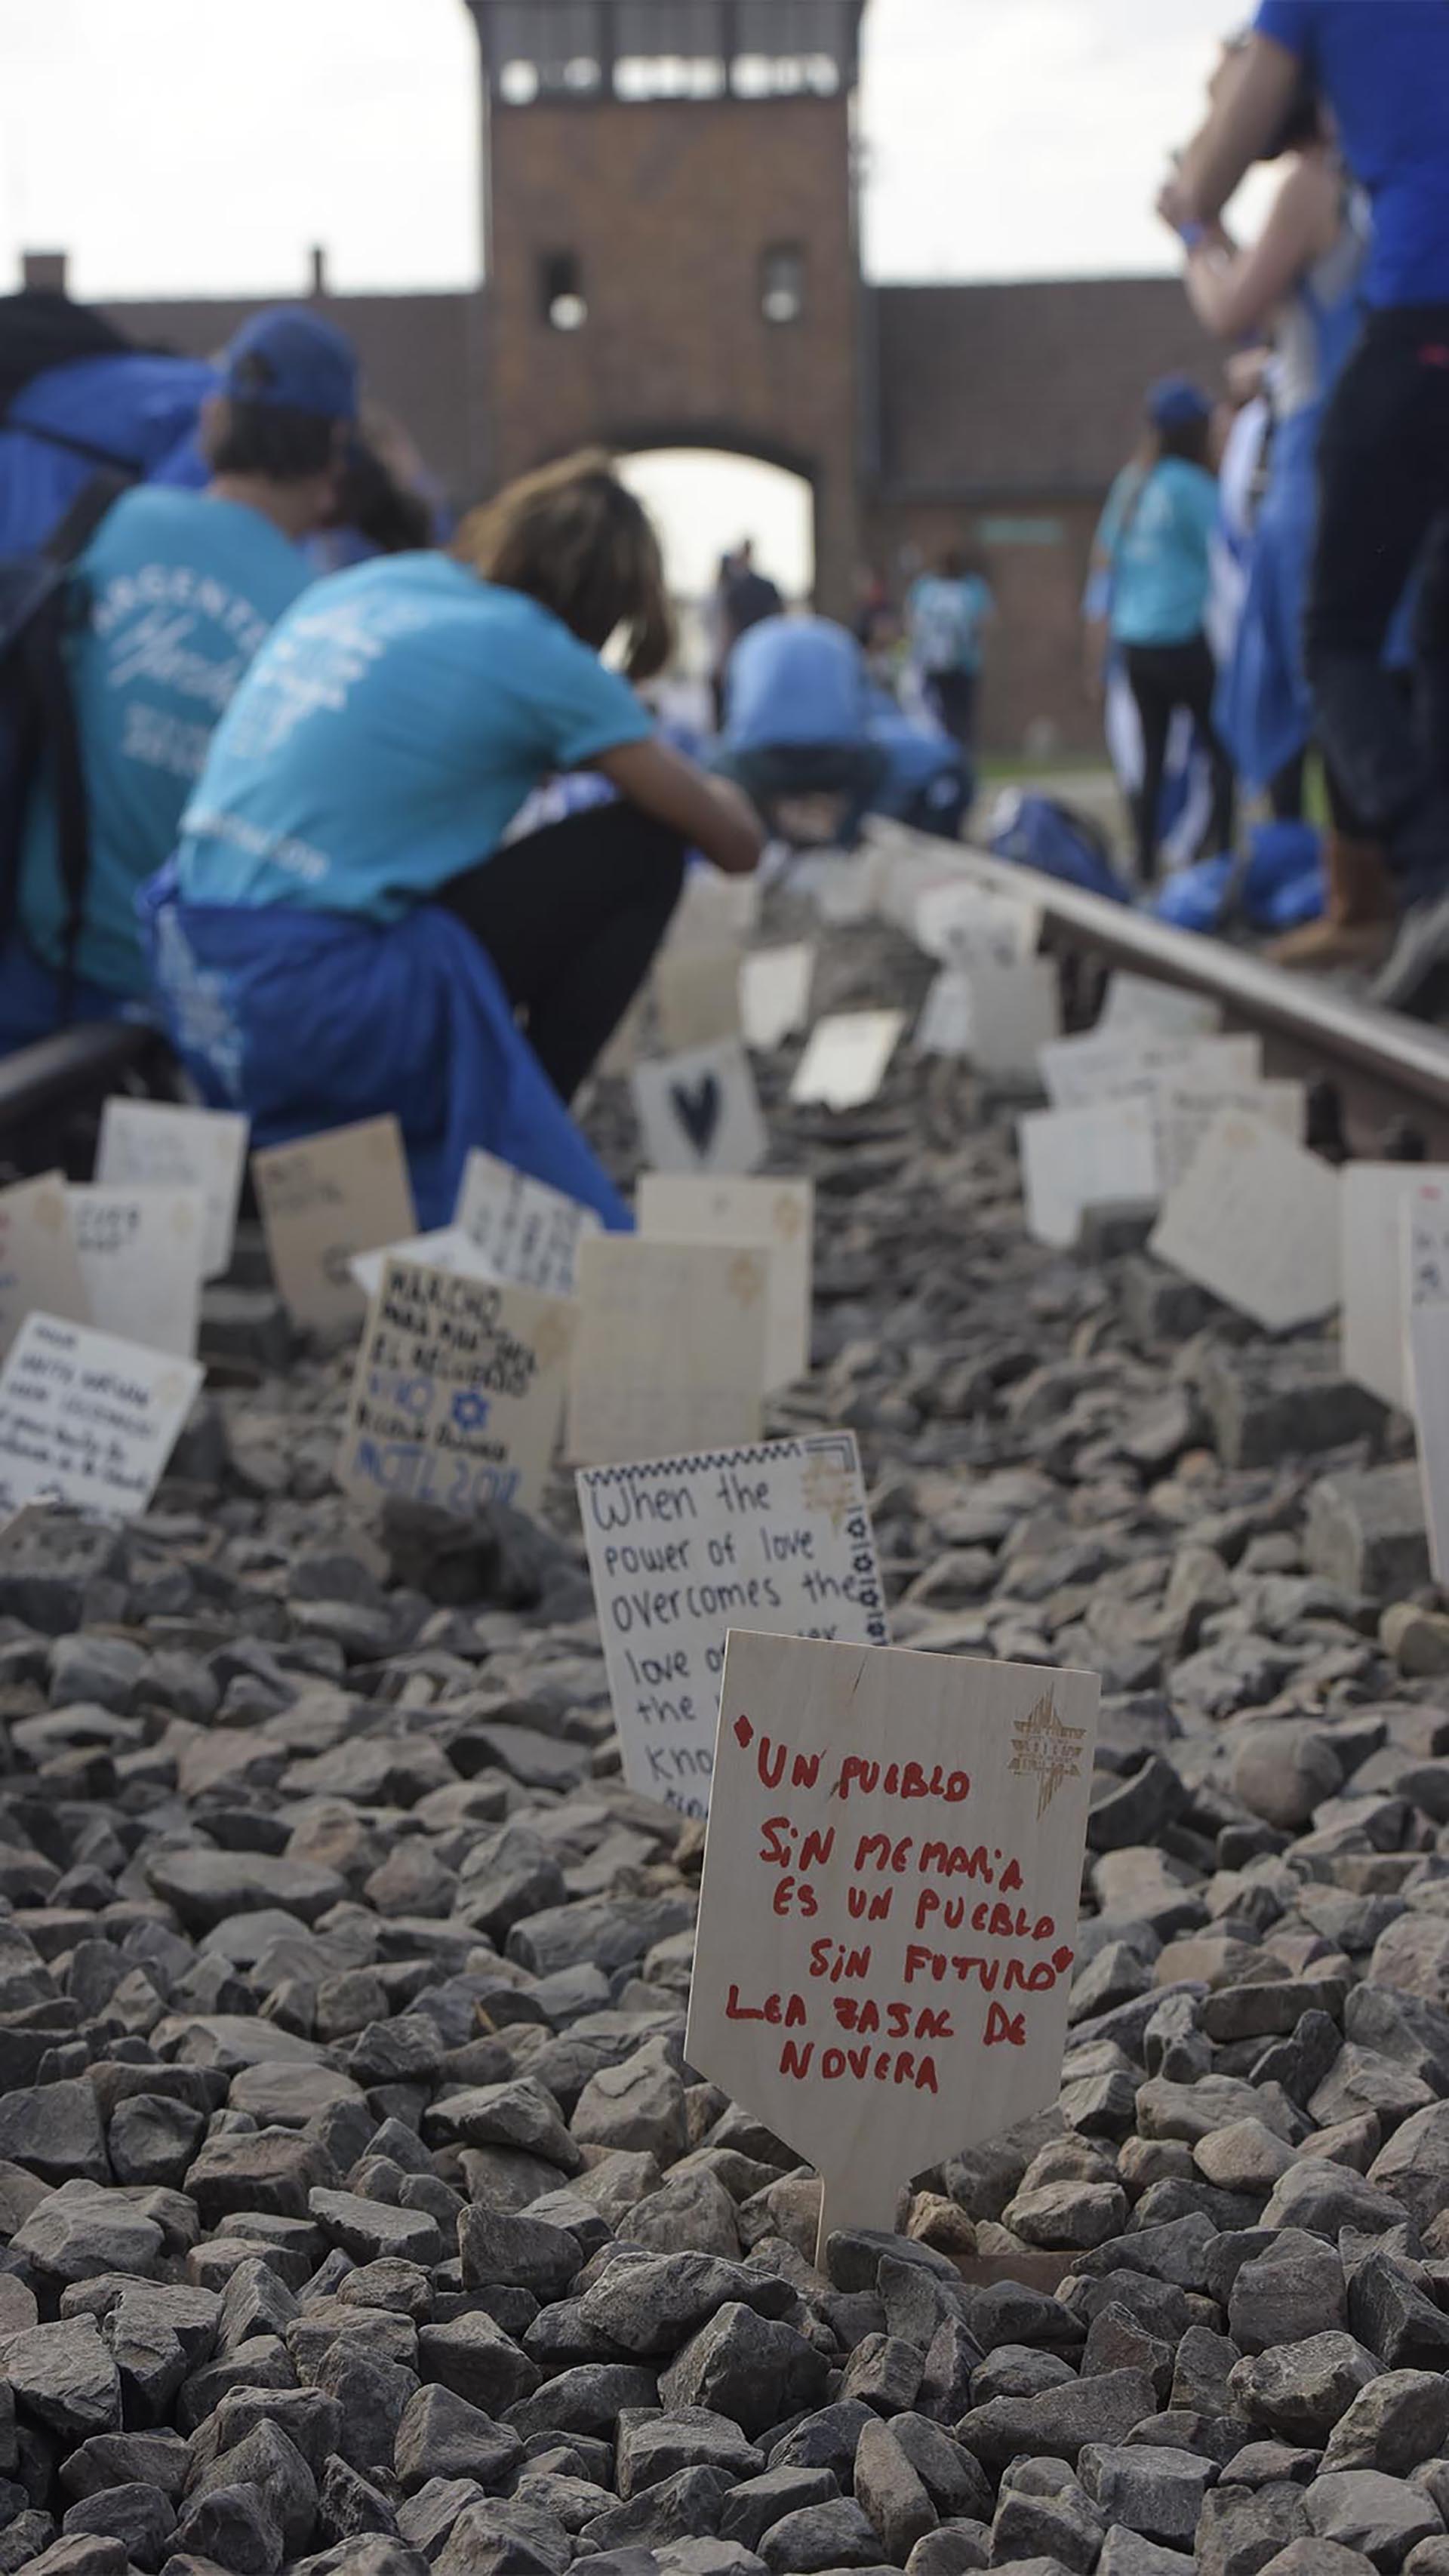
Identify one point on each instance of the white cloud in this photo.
(179, 146)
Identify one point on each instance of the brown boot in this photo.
(1355, 924)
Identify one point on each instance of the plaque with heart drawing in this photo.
(699, 1112)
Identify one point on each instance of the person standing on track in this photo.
(1383, 67)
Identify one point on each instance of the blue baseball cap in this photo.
(1174, 401)
(292, 358)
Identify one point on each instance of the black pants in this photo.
(1164, 677)
(1383, 465)
(572, 918)
(952, 694)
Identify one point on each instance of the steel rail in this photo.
(1396, 1056)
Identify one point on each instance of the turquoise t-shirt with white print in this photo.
(174, 595)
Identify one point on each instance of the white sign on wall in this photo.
(683, 1548)
(887, 1927)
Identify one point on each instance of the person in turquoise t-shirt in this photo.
(947, 614)
(175, 593)
(400, 715)
(1155, 539)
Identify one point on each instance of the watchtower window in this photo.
(562, 302)
(782, 283)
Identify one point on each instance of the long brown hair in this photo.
(573, 538)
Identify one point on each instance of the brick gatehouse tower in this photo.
(672, 248)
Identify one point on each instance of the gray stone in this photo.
(1299, 2390)
(1380, 2516)
(1152, 2489)
(755, 2369)
(1365, 1531)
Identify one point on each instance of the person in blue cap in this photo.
(172, 597)
(1154, 543)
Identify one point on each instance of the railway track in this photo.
(1378, 1083)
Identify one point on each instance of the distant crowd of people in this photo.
(1272, 576)
(268, 726)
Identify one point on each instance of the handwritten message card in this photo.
(777, 1217)
(86, 1418)
(671, 1349)
(1016, 1011)
(38, 1262)
(775, 988)
(1376, 1204)
(1186, 1110)
(457, 1393)
(966, 926)
(700, 1112)
(946, 1020)
(140, 1253)
(449, 1248)
(324, 1199)
(679, 1550)
(1079, 1071)
(527, 1231)
(888, 1921)
(1141, 1002)
(1075, 1159)
(1424, 1288)
(1255, 1220)
(697, 997)
(844, 1064)
(714, 911)
(160, 1144)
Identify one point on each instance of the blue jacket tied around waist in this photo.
(310, 1020)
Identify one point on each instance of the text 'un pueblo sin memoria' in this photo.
(884, 1866)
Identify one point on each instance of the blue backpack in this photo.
(1037, 832)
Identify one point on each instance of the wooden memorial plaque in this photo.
(1186, 1111)
(1075, 1159)
(671, 1349)
(1256, 1222)
(775, 985)
(697, 997)
(844, 1064)
(86, 1418)
(141, 1253)
(39, 1266)
(946, 1019)
(1377, 1204)
(161, 1144)
(700, 1112)
(777, 1217)
(888, 1919)
(447, 1248)
(528, 1232)
(779, 1535)
(457, 1392)
(1164, 1010)
(1079, 1071)
(1015, 1012)
(324, 1199)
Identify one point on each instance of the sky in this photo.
(181, 146)
(178, 147)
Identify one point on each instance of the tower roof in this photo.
(643, 49)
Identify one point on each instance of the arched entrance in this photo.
(705, 501)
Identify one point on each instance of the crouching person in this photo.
(343, 931)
